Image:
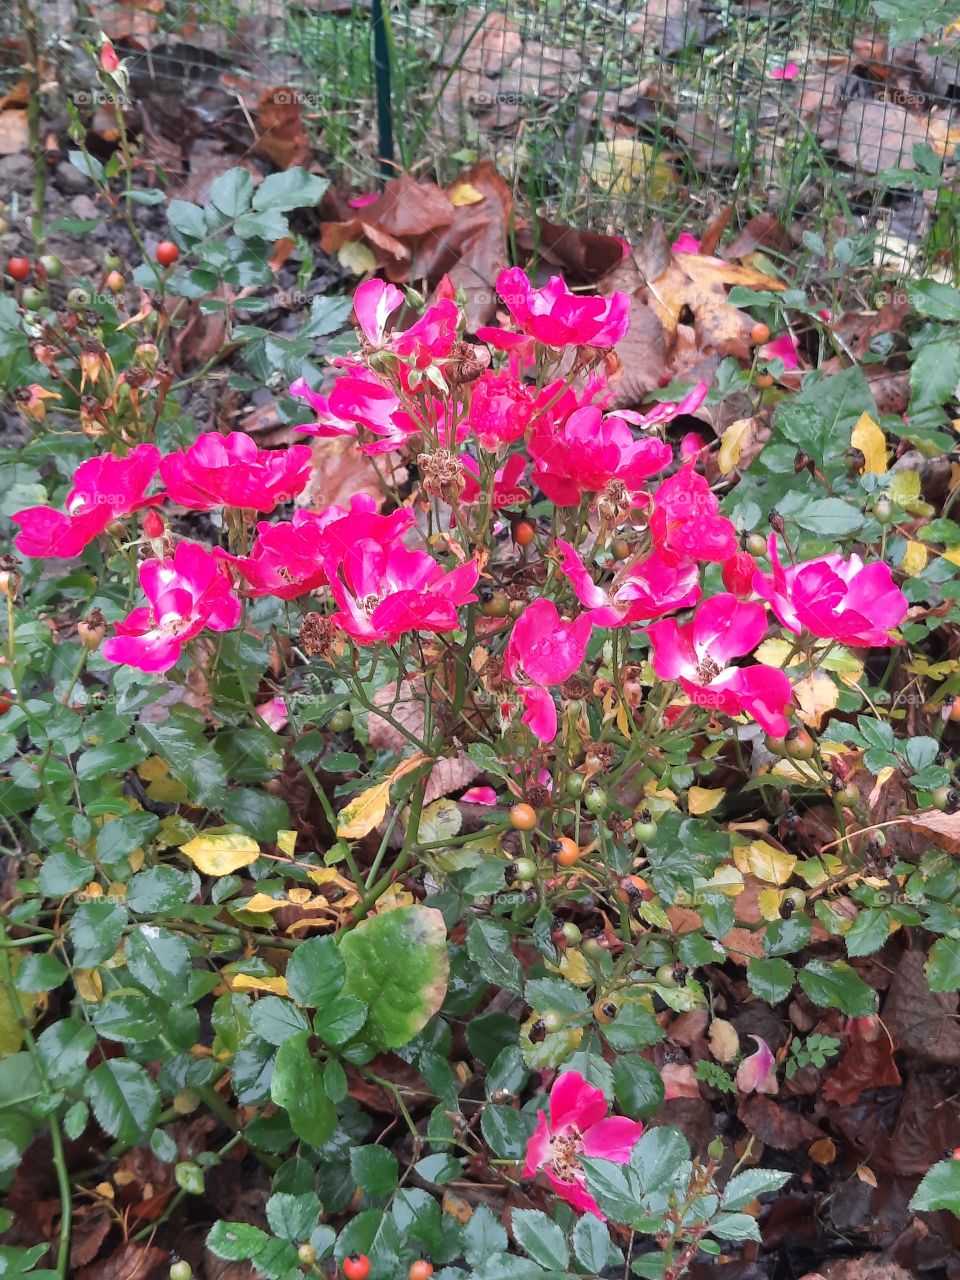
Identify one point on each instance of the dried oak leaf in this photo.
(775, 1124)
(921, 1022)
(698, 285)
(283, 139)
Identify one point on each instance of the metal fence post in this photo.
(381, 67)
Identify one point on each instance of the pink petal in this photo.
(686, 243)
(757, 1074)
(479, 795)
(612, 1139)
(788, 72)
(540, 715)
(538, 1148)
(574, 1102)
(576, 1194)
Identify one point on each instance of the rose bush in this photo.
(432, 804)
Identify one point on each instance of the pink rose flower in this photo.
(686, 519)
(383, 590)
(698, 654)
(653, 586)
(789, 71)
(834, 598)
(578, 1125)
(187, 592)
(288, 559)
(500, 409)
(507, 488)
(431, 338)
(230, 471)
(588, 451)
(686, 243)
(558, 318)
(545, 649)
(783, 347)
(104, 489)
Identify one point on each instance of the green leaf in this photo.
(293, 1217)
(940, 1188)
(868, 932)
(829, 518)
(63, 873)
(158, 959)
(327, 315)
(64, 1048)
(88, 165)
(297, 1086)
(633, 1028)
(544, 994)
(638, 1086)
(375, 1170)
(290, 189)
(240, 1242)
(40, 973)
(187, 218)
(256, 813)
(397, 964)
(821, 417)
(315, 972)
(19, 1080)
(933, 299)
(593, 1247)
(161, 889)
(735, 1226)
(95, 932)
(770, 980)
(490, 947)
(942, 967)
(124, 1099)
(506, 1131)
(659, 1157)
(274, 1019)
(746, 1186)
(192, 759)
(232, 191)
(541, 1238)
(483, 1235)
(340, 1019)
(115, 757)
(833, 984)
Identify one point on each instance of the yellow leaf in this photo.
(731, 444)
(764, 861)
(953, 555)
(702, 799)
(153, 769)
(816, 694)
(872, 443)
(465, 193)
(357, 258)
(364, 813)
(441, 820)
(287, 842)
(300, 897)
(769, 902)
(621, 165)
(393, 898)
(89, 984)
(914, 559)
(261, 902)
(573, 967)
(220, 853)
(247, 982)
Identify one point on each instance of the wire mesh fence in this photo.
(601, 114)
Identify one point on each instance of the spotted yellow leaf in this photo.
(262, 902)
(702, 799)
(367, 810)
(764, 861)
(248, 982)
(870, 440)
(816, 694)
(220, 853)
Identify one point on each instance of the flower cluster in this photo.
(522, 416)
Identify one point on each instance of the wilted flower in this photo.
(578, 1125)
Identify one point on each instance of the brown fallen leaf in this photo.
(283, 139)
(867, 1063)
(943, 829)
(921, 1022)
(775, 1124)
(129, 1262)
(14, 132)
(698, 284)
